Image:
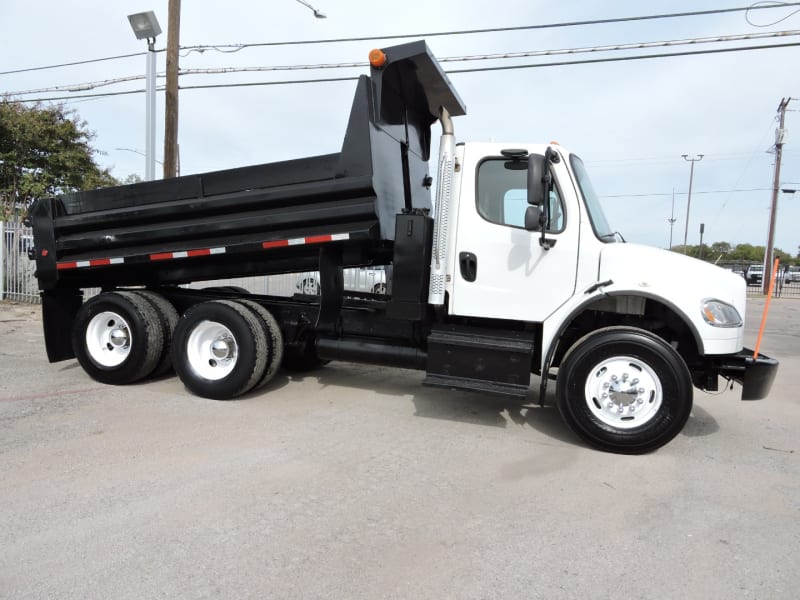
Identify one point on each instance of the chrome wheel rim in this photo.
(108, 339)
(211, 350)
(623, 392)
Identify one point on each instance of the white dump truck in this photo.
(513, 271)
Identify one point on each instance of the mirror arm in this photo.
(550, 155)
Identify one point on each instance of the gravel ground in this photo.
(357, 482)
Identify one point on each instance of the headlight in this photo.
(720, 314)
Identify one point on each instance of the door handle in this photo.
(469, 265)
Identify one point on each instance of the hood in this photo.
(682, 280)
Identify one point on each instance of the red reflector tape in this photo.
(275, 244)
(187, 253)
(311, 239)
(318, 239)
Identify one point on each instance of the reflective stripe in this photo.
(311, 239)
(100, 262)
(95, 262)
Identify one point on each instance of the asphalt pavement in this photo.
(357, 482)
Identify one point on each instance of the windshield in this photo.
(599, 223)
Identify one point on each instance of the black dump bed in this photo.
(260, 219)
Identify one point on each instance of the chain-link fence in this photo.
(787, 281)
(17, 280)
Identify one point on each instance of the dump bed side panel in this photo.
(260, 219)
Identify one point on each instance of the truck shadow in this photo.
(467, 407)
(700, 423)
(442, 404)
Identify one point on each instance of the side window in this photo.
(503, 196)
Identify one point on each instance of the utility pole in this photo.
(698, 158)
(171, 96)
(773, 212)
(671, 219)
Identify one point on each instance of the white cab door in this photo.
(514, 277)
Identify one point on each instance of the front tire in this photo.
(624, 390)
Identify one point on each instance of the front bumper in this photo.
(754, 374)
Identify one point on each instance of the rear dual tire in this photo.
(118, 338)
(224, 348)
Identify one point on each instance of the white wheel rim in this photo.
(108, 339)
(309, 287)
(211, 350)
(623, 392)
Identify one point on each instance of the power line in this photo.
(237, 47)
(72, 64)
(451, 72)
(474, 57)
(668, 194)
(502, 29)
(624, 58)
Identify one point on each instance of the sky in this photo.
(631, 121)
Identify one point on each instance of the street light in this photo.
(145, 27)
(689, 199)
(318, 14)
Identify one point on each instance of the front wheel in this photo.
(624, 390)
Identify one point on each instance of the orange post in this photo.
(772, 278)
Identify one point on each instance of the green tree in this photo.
(44, 151)
(720, 248)
(747, 253)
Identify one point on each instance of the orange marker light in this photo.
(377, 58)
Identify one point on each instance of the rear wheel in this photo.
(219, 349)
(274, 340)
(117, 337)
(624, 390)
(168, 318)
(228, 289)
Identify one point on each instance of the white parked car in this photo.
(371, 280)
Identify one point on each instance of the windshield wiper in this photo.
(613, 236)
